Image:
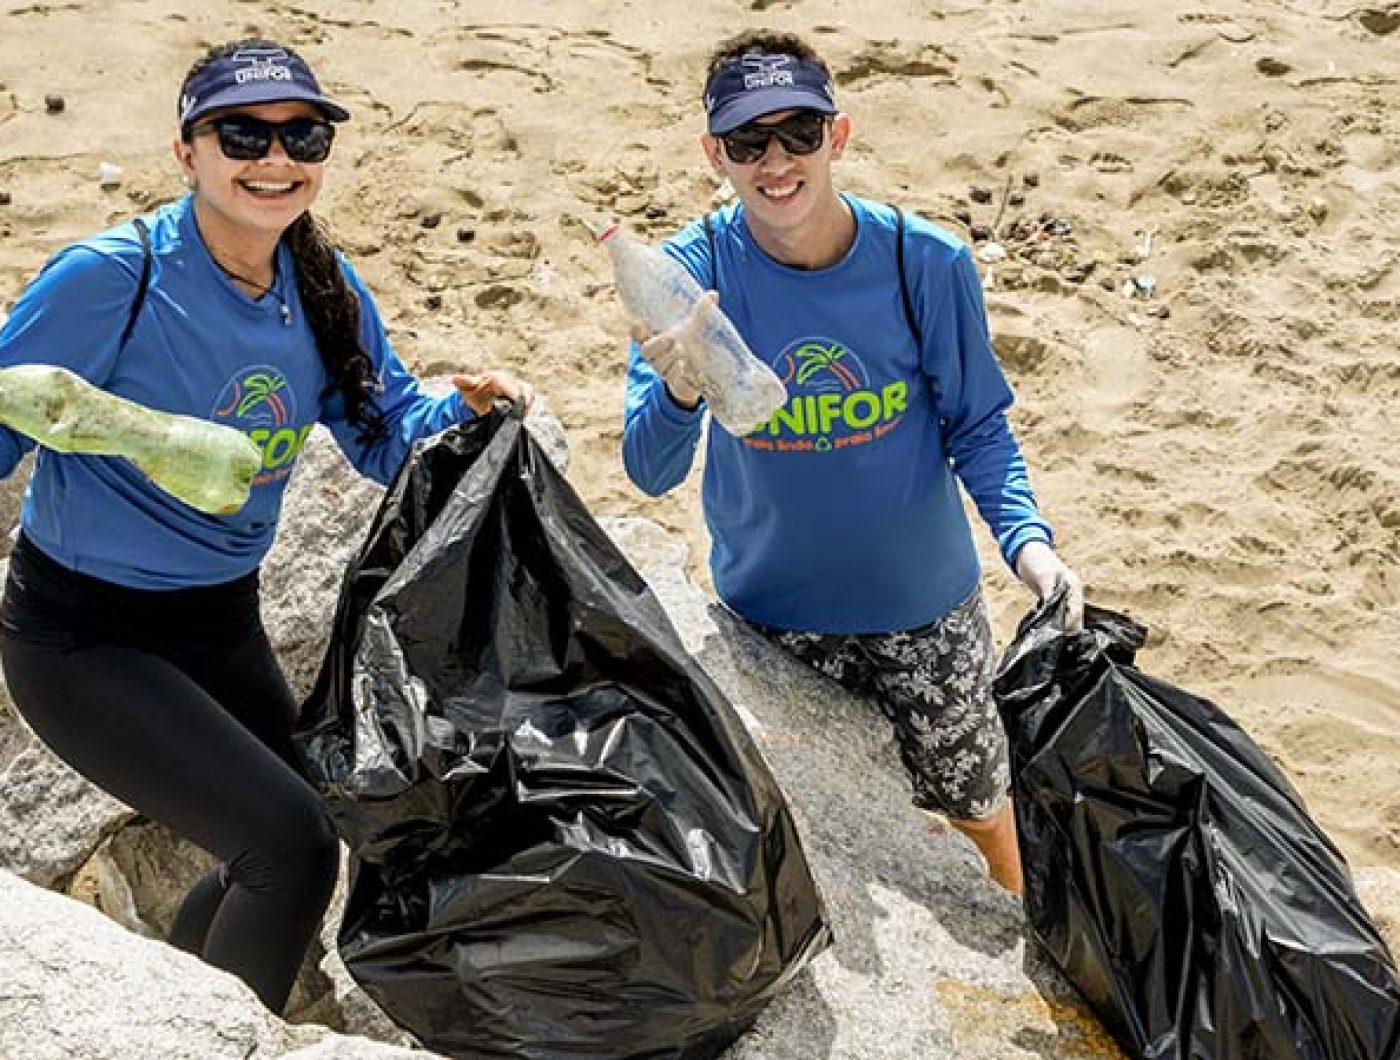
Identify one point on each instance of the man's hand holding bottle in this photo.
(667, 351)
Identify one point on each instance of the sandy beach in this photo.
(1199, 305)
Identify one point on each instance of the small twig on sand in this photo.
(1005, 194)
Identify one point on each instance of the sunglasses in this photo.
(800, 134)
(246, 139)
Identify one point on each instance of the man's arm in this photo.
(659, 434)
(972, 400)
(973, 397)
(663, 411)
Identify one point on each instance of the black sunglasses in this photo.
(246, 139)
(800, 134)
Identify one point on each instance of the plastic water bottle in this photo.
(741, 391)
(207, 465)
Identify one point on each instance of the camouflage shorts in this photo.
(935, 686)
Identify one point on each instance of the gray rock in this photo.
(51, 819)
(159, 867)
(1379, 891)
(340, 1047)
(78, 985)
(102, 884)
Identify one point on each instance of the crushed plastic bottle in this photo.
(207, 465)
(741, 391)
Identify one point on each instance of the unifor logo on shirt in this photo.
(832, 402)
(259, 402)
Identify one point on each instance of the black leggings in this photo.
(173, 702)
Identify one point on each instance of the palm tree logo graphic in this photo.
(257, 389)
(822, 366)
(813, 358)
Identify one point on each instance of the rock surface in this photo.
(78, 985)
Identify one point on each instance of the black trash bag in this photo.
(563, 841)
(1172, 871)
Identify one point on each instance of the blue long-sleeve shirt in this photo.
(842, 514)
(201, 347)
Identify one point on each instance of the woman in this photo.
(132, 642)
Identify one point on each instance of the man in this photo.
(837, 528)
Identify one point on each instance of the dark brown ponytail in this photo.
(332, 308)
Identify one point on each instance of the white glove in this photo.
(1043, 572)
(666, 351)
